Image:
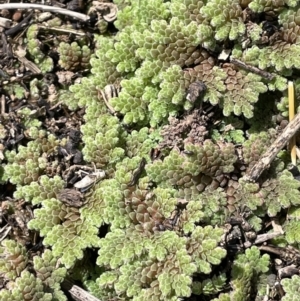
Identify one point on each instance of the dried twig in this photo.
(20, 26)
(6, 48)
(77, 293)
(270, 249)
(2, 105)
(288, 271)
(63, 30)
(56, 105)
(265, 237)
(4, 232)
(253, 69)
(287, 254)
(279, 289)
(137, 173)
(107, 93)
(29, 65)
(51, 9)
(273, 150)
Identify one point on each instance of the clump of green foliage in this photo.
(165, 221)
(42, 282)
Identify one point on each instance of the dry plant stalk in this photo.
(77, 293)
(52, 9)
(273, 150)
(262, 73)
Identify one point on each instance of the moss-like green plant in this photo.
(290, 286)
(73, 57)
(42, 284)
(245, 272)
(170, 261)
(162, 208)
(210, 286)
(30, 162)
(34, 48)
(65, 230)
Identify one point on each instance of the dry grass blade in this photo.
(291, 95)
